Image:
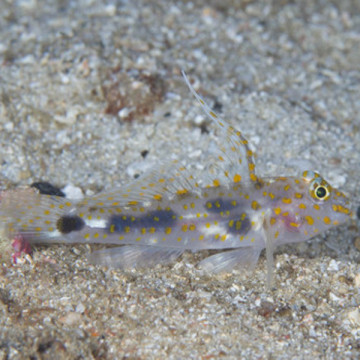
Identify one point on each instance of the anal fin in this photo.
(131, 256)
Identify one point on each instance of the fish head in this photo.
(328, 206)
(306, 206)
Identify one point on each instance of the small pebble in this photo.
(46, 188)
(73, 192)
(333, 266)
(70, 318)
(357, 280)
(357, 243)
(354, 317)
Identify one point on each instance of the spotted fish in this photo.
(170, 210)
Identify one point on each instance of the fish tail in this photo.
(35, 217)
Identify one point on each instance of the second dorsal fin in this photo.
(167, 180)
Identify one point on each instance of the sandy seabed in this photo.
(91, 96)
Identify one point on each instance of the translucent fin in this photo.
(245, 258)
(169, 179)
(126, 257)
(32, 215)
(235, 160)
(270, 263)
(173, 179)
(269, 238)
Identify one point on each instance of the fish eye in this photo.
(321, 192)
(319, 189)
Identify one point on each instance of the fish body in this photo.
(170, 210)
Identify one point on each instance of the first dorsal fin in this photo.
(234, 159)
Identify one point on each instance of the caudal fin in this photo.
(34, 216)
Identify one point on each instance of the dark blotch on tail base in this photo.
(69, 223)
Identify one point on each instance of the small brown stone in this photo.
(357, 243)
